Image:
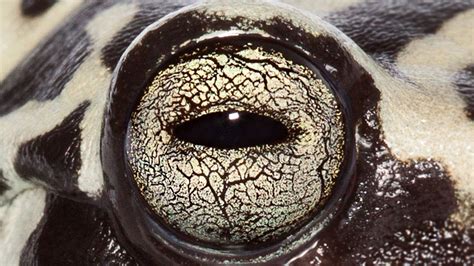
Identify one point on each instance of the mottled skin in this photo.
(54, 206)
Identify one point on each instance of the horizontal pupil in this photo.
(231, 130)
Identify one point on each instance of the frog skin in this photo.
(409, 70)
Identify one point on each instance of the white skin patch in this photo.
(20, 34)
(18, 219)
(101, 29)
(428, 119)
(90, 82)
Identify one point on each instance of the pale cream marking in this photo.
(322, 7)
(101, 30)
(429, 120)
(90, 82)
(20, 34)
(18, 220)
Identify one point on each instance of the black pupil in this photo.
(231, 130)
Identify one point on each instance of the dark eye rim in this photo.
(138, 66)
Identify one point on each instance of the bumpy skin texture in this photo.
(398, 211)
(246, 195)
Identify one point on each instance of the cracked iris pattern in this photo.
(245, 195)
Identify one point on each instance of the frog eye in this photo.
(235, 144)
(225, 140)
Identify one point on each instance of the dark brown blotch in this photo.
(74, 233)
(3, 184)
(464, 81)
(53, 159)
(33, 8)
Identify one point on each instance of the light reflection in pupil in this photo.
(234, 116)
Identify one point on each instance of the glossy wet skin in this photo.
(404, 202)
